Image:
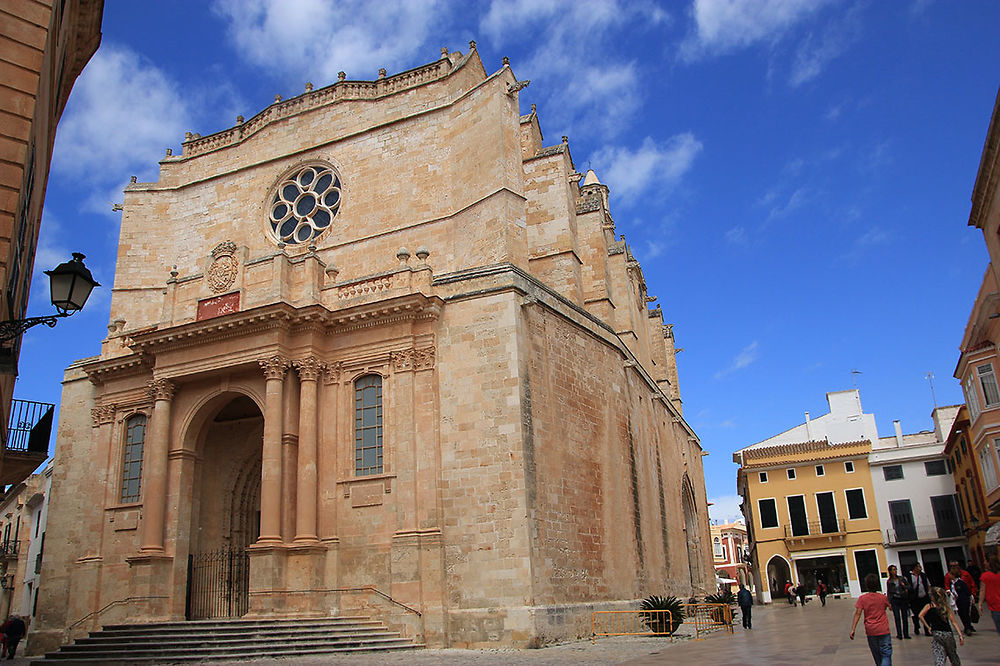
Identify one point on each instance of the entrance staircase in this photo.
(204, 640)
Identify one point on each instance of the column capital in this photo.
(332, 372)
(274, 367)
(162, 389)
(103, 414)
(309, 368)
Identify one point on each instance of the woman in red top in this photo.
(874, 604)
(990, 583)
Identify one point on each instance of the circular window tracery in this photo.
(305, 204)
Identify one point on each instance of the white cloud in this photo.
(737, 235)
(723, 26)
(862, 244)
(795, 201)
(815, 53)
(314, 39)
(630, 173)
(747, 356)
(725, 508)
(123, 113)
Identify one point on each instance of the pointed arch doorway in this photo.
(225, 509)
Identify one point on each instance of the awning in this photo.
(722, 581)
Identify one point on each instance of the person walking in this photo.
(920, 589)
(801, 591)
(938, 618)
(13, 631)
(961, 594)
(790, 592)
(990, 591)
(873, 605)
(821, 591)
(745, 601)
(899, 596)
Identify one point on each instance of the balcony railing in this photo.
(924, 533)
(8, 550)
(815, 530)
(29, 427)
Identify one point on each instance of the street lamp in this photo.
(70, 284)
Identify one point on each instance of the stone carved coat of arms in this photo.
(222, 272)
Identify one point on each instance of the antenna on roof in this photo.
(930, 380)
(854, 376)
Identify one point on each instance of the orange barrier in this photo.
(633, 623)
(707, 618)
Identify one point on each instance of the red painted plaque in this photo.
(218, 306)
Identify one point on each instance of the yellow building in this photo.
(811, 514)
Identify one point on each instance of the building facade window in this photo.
(988, 382)
(368, 425)
(988, 466)
(135, 440)
(768, 509)
(820, 470)
(935, 468)
(763, 477)
(856, 509)
(791, 473)
(971, 399)
(892, 472)
(849, 466)
(717, 547)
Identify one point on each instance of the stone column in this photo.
(270, 473)
(305, 514)
(155, 481)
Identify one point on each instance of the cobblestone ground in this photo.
(782, 635)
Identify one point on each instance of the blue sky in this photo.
(793, 175)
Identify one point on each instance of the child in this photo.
(874, 604)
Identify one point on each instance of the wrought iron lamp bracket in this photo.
(13, 329)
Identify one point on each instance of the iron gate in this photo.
(218, 584)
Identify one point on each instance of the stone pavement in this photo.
(782, 635)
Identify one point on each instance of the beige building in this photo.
(22, 533)
(809, 502)
(729, 547)
(44, 46)
(384, 340)
(979, 359)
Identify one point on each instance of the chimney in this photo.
(808, 434)
(899, 433)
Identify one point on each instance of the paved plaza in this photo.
(782, 635)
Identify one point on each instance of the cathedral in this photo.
(376, 349)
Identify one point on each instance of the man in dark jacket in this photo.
(920, 595)
(745, 601)
(13, 631)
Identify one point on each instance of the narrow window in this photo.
(988, 380)
(763, 477)
(791, 473)
(971, 398)
(856, 508)
(892, 472)
(988, 466)
(768, 513)
(718, 548)
(368, 425)
(849, 466)
(820, 471)
(135, 438)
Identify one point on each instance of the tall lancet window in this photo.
(368, 425)
(135, 439)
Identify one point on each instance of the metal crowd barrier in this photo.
(707, 618)
(633, 623)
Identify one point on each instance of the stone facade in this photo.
(444, 400)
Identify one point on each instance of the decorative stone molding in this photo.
(162, 389)
(588, 204)
(222, 273)
(413, 359)
(103, 414)
(371, 286)
(309, 368)
(274, 367)
(332, 372)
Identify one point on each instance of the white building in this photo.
(846, 422)
(915, 494)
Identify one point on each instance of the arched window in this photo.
(718, 548)
(135, 438)
(368, 425)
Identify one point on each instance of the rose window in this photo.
(305, 204)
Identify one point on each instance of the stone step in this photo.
(163, 633)
(98, 638)
(227, 622)
(261, 642)
(48, 660)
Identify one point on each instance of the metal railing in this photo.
(924, 533)
(707, 618)
(634, 623)
(29, 427)
(9, 549)
(815, 529)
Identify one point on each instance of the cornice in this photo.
(99, 371)
(984, 191)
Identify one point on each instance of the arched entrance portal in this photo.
(695, 561)
(778, 573)
(225, 511)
